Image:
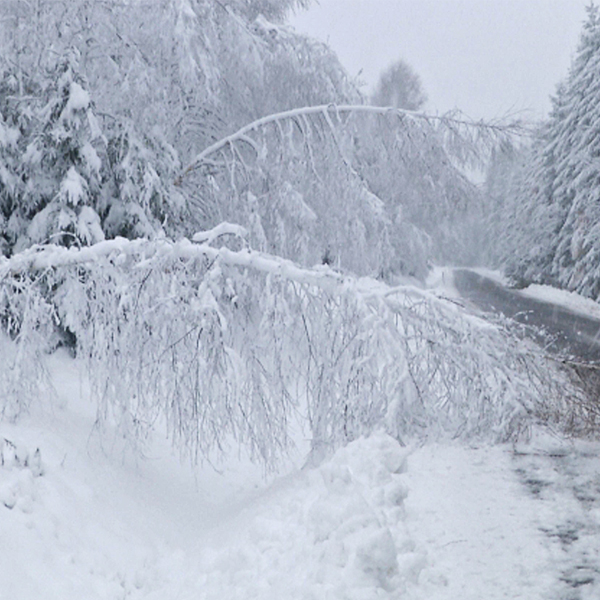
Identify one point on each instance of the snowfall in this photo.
(82, 516)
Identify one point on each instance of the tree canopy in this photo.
(399, 86)
(549, 200)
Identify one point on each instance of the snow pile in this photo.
(62, 536)
(82, 518)
(570, 300)
(337, 531)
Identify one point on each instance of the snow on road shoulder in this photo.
(441, 281)
(467, 509)
(570, 300)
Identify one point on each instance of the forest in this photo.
(200, 203)
(235, 361)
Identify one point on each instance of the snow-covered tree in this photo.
(138, 196)
(52, 158)
(380, 204)
(219, 345)
(557, 200)
(274, 10)
(399, 86)
(62, 166)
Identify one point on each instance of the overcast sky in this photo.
(486, 57)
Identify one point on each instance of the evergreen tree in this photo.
(61, 166)
(399, 86)
(557, 204)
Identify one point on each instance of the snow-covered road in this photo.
(568, 330)
(478, 526)
(564, 478)
(377, 520)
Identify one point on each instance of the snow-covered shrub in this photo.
(222, 345)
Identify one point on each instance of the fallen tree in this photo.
(225, 343)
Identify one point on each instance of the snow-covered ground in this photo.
(83, 518)
(570, 300)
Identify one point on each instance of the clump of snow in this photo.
(8, 135)
(73, 188)
(88, 225)
(336, 531)
(91, 158)
(79, 99)
(570, 300)
(208, 237)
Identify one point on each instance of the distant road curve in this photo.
(573, 334)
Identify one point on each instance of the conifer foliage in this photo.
(550, 200)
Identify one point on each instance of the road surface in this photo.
(566, 483)
(566, 333)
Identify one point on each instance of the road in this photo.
(567, 333)
(565, 482)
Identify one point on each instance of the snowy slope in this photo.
(377, 520)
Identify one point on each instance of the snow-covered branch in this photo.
(451, 121)
(223, 344)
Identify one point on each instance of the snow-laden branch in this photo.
(223, 342)
(452, 120)
(41, 258)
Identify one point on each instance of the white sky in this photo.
(486, 57)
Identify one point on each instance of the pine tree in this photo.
(559, 240)
(399, 86)
(61, 165)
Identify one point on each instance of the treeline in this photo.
(103, 104)
(545, 198)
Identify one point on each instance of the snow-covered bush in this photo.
(220, 344)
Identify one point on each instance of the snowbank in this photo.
(81, 518)
(334, 532)
(569, 300)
